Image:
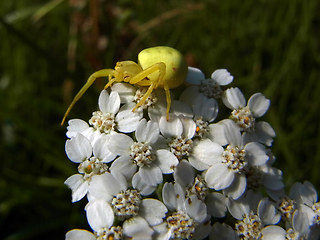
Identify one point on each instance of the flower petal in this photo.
(199, 165)
(78, 148)
(219, 177)
(103, 101)
(127, 121)
(272, 178)
(99, 215)
(223, 231)
(173, 196)
(166, 161)
(101, 150)
(179, 108)
(114, 102)
(76, 126)
(205, 107)
(207, 152)
(189, 127)
(216, 204)
(196, 208)
(126, 91)
(153, 211)
(232, 132)
(273, 233)
(237, 187)
(222, 77)
(120, 144)
(233, 98)
(147, 132)
(105, 186)
(137, 228)
(172, 127)
(217, 133)
(267, 212)
(189, 95)
(138, 183)
(255, 154)
(184, 174)
(238, 208)
(194, 76)
(77, 234)
(258, 104)
(264, 134)
(78, 186)
(151, 175)
(123, 165)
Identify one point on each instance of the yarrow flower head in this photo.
(200, 169)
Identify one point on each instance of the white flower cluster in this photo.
(198, 175)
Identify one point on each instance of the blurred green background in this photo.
(49, 48)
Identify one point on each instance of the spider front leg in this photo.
(153, 83)
(90, 81)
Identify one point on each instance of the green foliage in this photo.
(47, 50)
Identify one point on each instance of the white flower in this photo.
(256, 224)
(184, 175)
(188, 217)
(109, 191)
(265, 177)
(143, 154)
(299, 226)
(178, 132)
(306, 199)
(211, 87)
(245, 115)
(125, 202)
(79, 150)
(205, 111)
(202, 97)
(108, 120)
(302, 197)
(226, 166)
(100, 218)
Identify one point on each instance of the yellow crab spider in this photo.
(157, 67)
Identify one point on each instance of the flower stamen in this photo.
(250, 227)
(92, 166)
(126, 204)
(180, 147)
(180, 225)
(104, 122)
(151, 100)
(234, 158)
(201, 127)
(244, 118)
(141, 154)
(210, 88)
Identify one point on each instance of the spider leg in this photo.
(168, 98)
(139, 79)
(90, 81)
